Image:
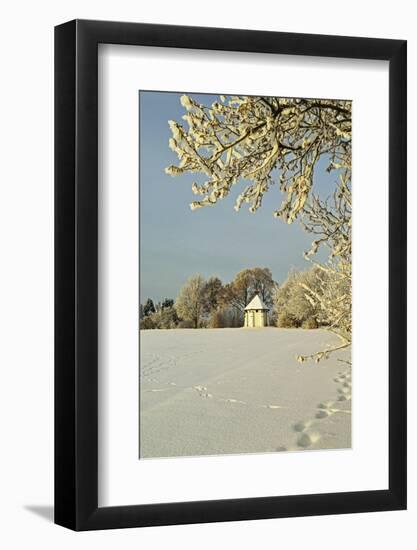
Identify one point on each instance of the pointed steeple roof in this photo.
(256, 303)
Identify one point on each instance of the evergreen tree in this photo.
(148, 308)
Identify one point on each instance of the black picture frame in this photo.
(76, 272)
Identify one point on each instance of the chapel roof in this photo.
(256, 303)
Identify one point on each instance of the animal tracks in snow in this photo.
(308, 430)
(202, 391)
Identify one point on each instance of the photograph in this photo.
(195, 353)
(245, 274)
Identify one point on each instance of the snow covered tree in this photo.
(165, 318)
(246, 285)
(243, 138)
(291, 300)
(189, 304)
(167, 303)
(331, 223)
(211, 295)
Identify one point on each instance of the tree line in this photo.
(300, 301)
(209, 303)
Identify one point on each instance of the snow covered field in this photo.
(227, 391)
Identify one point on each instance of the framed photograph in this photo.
(230, 253)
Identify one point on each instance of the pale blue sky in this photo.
(176, 242)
